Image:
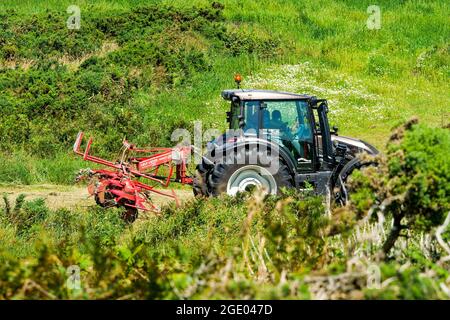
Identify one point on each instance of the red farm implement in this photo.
(122, 185)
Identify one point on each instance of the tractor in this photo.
(275, 140)
(286, 129)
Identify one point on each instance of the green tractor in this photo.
(278, 140)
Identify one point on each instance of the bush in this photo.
(250, 246)
(25, 215)
(73, 84)
(242, 40)
(412, 183)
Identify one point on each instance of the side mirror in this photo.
(229, 115)
(335, 130)
(241, 122)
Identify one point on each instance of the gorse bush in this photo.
(26, 214)
(162, 257)
(86, 79)
(268, 248)
(243, 40)
(411, 183)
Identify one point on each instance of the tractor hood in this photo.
(354, 146)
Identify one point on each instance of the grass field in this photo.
(374, 79)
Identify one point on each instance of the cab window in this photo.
(290, 121)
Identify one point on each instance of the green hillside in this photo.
(142, 69)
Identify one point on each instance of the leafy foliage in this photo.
(411, 183)
(63, 80)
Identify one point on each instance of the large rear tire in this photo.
(199, 185)
(233, 178)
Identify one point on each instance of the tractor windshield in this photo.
(289, 117)
(285, 122)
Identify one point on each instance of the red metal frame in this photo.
(122, 182)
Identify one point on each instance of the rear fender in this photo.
(231, 149)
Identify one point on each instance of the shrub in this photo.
(411, 183)
(26, 214)
(241, 40)
(73, 84)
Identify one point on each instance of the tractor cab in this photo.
(287, 119)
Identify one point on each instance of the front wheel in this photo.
(341, 190)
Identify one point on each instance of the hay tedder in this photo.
(122, 186)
